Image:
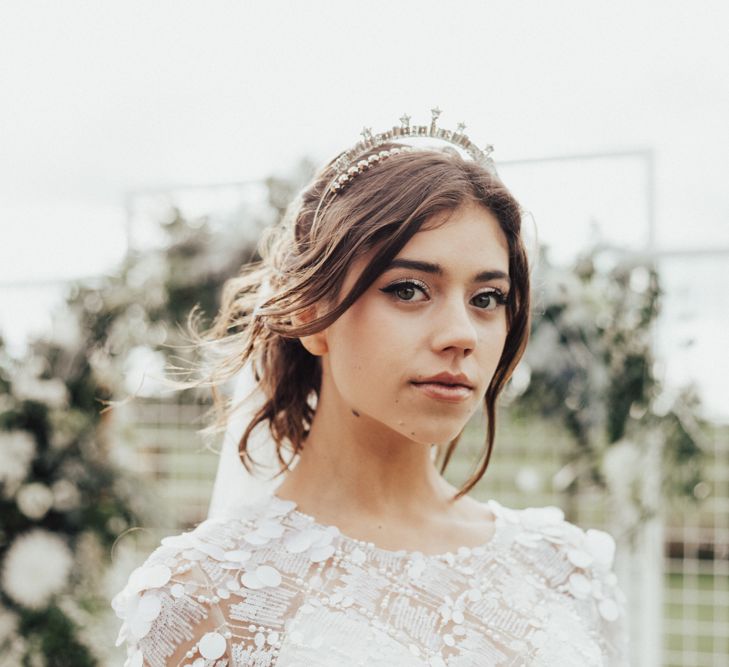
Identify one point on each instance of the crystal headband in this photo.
(347, 166)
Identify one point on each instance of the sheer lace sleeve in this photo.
(215, 596)
(170, 608)
(578, 565)
(594, 581)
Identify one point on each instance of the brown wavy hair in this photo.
(304, 261)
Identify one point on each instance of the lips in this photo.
(448, 387)
(450, 393)
(446, 379)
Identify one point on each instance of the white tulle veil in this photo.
(234, 485)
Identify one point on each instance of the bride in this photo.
(390, 305)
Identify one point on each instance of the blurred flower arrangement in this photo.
(66, 491)
(63, 502)
(590, 367)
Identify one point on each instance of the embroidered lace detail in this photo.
(271, 586)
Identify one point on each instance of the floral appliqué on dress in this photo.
(271, 586)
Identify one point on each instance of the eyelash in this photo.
(498, 295)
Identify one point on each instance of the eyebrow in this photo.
(437, 269)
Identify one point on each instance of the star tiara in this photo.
(347, 166)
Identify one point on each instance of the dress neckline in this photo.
(461, 552)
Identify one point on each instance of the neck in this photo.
(354, 466)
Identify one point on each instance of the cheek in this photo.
(491, 343)
(354, 353)
(368, 351)
(499, 333)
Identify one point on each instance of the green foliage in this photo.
(50, 418)
(590, 367)
(60, 440)
(55, 637)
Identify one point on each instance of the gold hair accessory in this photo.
(347, 166)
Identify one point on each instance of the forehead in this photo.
(470, 234)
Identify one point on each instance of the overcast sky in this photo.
(102, 98)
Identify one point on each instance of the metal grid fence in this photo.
(696, 566)
(691, 607)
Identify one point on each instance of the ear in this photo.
(315, 343)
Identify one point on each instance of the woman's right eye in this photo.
(405, 290)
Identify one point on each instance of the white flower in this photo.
(52, 392)
(66, 495)
(14, 651)
(144, 371)
(36, 658)
(65, 330)
(528, 479)
(34, 500)
(8, 625)
(520, 379)
(36, 567)
(17, 449)
(620, 465)
(544, 353)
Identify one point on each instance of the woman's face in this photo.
(438, 309)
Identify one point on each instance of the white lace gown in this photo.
(271, 586)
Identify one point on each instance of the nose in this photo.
(454, 327)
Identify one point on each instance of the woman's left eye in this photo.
(490, 300)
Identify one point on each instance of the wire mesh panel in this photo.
(525, 470)
(531, 466)
(170, 452)
(676, 564)
(696, 599)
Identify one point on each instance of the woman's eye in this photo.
(490, 300)
(405, 291)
